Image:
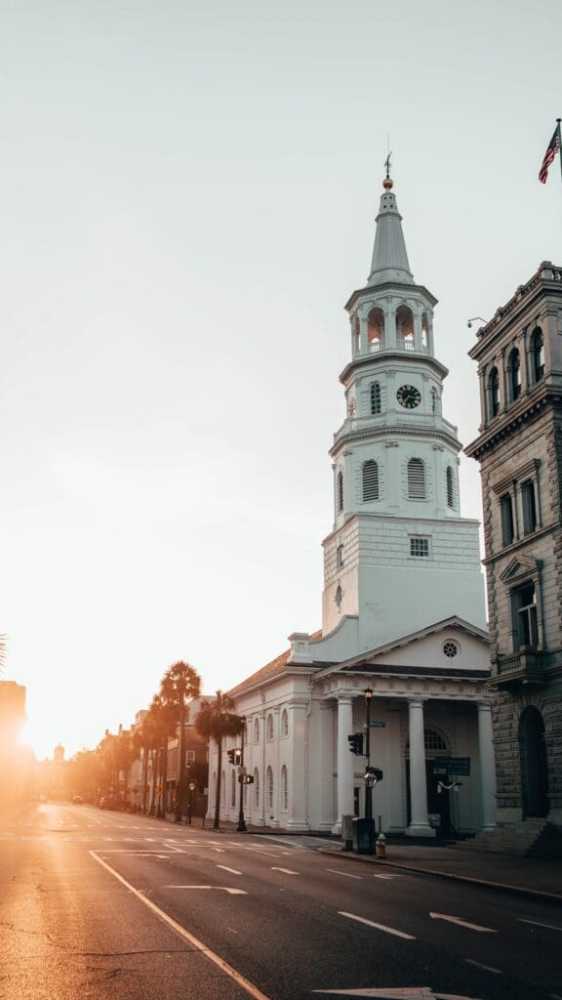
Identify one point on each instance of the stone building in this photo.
(519, 447)
(402, 605)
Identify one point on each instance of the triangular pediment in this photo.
(518, 567)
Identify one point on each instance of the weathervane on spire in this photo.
(387, 183)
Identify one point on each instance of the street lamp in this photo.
(241, 828)
(368, 695)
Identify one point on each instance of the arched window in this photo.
(375, 329)
(256, 730)
(375, 398)
(270, 727)
(339, 556)
(493, 393)
(416, 479)
(339, 596)
(450, 477)
(284, 723)
(256, 788)
(370, 483)
(284, 790)
(434, 743)
(405, 328)
(537, 353)
(233, 788)
(339, 492)
(506, 509)
(514, 375)
(269, 787)
(425, 332)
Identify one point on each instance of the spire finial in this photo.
(387, 183)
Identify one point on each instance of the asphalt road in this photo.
(102, 905)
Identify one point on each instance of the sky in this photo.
(187, 199)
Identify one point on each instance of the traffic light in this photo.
(230, 755)
(355, 741)
(237, 757)
(374, 773)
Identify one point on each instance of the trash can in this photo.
(347, 832)
(363, 835)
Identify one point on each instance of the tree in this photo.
(215, 721)
(180, 683)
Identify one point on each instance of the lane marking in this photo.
(487, 968)
(537, 923)
(345, 874)
(286, 871)
(379, 927)
(463, 923)
(387, 876)
(219, 850)
(218, 888)
(233, 871)
(250, 988)
(402, 993)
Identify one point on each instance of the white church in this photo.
(402, 609)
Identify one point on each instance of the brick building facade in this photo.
(519, 447)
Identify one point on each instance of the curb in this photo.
(520, 890)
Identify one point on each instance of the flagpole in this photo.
(558, 120)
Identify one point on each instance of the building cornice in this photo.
(394, 430)
(394, 354)
(527, 408)
(405, 519)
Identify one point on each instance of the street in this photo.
(97, 904)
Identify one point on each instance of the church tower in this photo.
(400, 556)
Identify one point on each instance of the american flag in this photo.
(551, 150)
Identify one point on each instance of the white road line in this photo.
(212, 956)
(217, 888)
(537, 923)
(345, 874)
(233, 871)
(462, 923)
(487, 968)
(286, 871)
(379, 927)
(218, 850)
(387, 876)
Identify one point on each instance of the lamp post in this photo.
(241, 828)
(368, 694)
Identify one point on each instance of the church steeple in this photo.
(390, 259)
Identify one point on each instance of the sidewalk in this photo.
(528, 876)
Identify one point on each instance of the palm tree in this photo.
(215, 721)
(180, 683)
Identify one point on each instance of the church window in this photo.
(514, 374)
(284, 789)
(256, 730)
(375, 330)
(339, 494)
(339, 596)
(370, 481)
(493, 393)
(450, 648)
(537, 353)
(339, 556)
(256, 788)
(405, 328)
(375, 398)
(284, 723)
(433, 740)
(529, 506)
(270, 727)
(419, 547)
(506, 509)
(416, 479)
(269, 786)
(450, 476)
(524, 615)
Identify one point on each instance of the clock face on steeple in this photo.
(408, 396)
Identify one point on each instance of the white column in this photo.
(345, 760)
(276, 766)
(363, 342)
(487, 765)
(297, 775)
(419, 822)
(326, 764)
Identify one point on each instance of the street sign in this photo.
(451, 765)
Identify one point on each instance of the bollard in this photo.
(380, 846)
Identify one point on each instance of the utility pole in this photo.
(368, 692)
(241, 828)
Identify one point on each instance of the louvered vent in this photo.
(450, 487)
(370, 481)
(375, 397)
(416, 479)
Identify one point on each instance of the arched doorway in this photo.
(534, 768)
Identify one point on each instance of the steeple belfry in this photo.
(390, 259)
